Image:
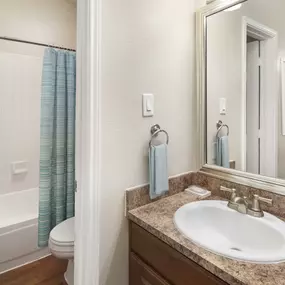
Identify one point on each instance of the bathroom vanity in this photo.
(151, 258)
(147, 249)
(160, 254)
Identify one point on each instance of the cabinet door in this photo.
(141, 274)
(169, 263)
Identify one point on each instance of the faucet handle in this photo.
(256, 199)
(265, 200)
(231, 190)
(254, 209)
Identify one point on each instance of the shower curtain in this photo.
(57, 142)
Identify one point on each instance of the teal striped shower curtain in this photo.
(57, 142)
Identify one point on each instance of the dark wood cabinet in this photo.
(141, 274)
(153, 262)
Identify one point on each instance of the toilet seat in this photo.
(61, 239)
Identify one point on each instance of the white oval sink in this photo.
(215, 227)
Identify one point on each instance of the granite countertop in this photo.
(157, 219)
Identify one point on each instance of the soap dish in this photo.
(201, 192)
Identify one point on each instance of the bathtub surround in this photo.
(57, 144)
(52, 21)
(19, 229)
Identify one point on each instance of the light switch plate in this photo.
(148, 105)
(223, 106)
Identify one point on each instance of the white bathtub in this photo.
(19, 229)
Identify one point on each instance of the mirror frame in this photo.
(270, 184)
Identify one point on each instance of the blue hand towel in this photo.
(158, 173)
(223, 152)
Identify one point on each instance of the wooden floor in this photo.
(46, 271)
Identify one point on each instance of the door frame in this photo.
(282, 87)
(270, 37)
(254, 60)
(88, 142)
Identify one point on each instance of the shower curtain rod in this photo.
(34, 43)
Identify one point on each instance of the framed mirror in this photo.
(241, 91)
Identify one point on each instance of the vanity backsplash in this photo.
(213, 184)
(139, 196)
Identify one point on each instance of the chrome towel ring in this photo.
(220, 125)
(155, 130)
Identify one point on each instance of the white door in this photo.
(253, 108)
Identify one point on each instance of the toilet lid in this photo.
(63, 233)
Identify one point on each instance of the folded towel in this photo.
(158, 173)
(223, 152)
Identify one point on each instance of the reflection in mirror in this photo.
(245, 60)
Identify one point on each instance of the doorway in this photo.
(259, 79)
(253, 105)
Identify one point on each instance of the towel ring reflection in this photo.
(220, 126)
(155, 130)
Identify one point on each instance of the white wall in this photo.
(49, 21)
(148, 46)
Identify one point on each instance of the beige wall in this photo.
(148, 46)
(45, 21)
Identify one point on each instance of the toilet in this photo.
(61, 245)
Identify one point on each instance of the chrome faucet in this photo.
(244, 206)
